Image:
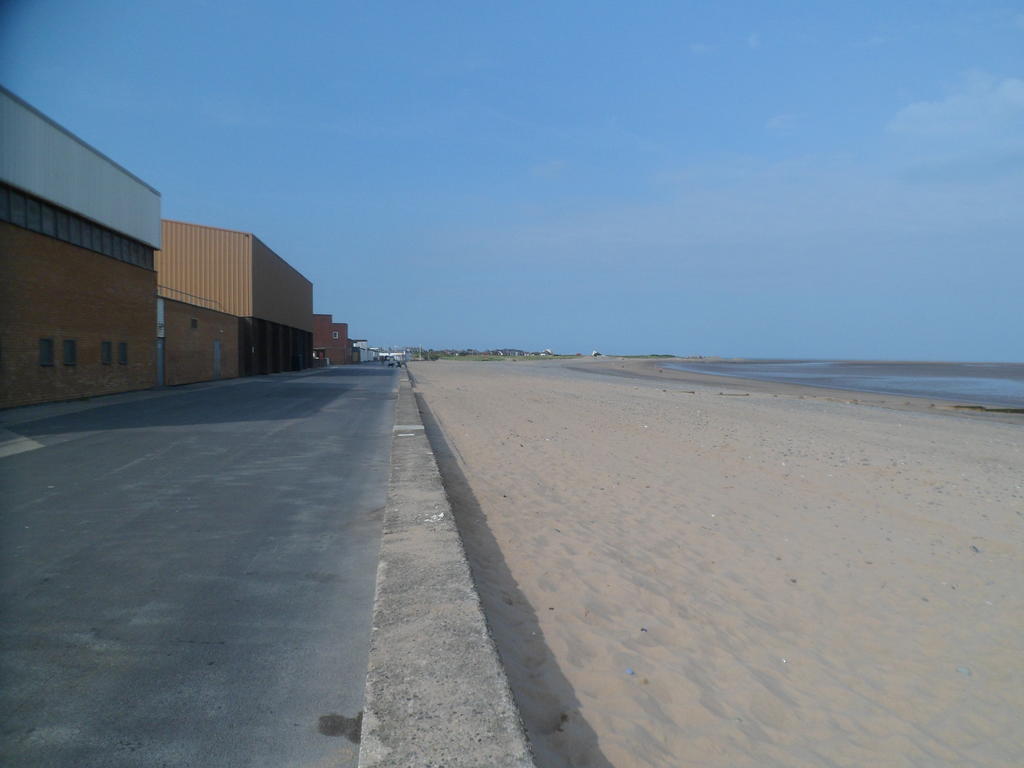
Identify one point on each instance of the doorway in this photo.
(216, 358)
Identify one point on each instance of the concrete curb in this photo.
(436, 694)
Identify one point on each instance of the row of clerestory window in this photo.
(38, 216)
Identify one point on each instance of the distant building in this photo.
(361, 351)
(235, 273)
(330, 341)
(77, 285)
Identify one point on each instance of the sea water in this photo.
(994, 384)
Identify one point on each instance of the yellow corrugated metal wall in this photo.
(209, 263)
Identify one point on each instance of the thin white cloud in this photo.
(874, 41)
(551, 169)
(982, 107)
(1018, 21)
(699, 49)
(795, 205)
(782, 125)
(754, 40)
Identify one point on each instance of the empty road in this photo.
(187, 576)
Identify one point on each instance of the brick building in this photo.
(330, 341)
(236, 274)
(77, 237)
(194, 343)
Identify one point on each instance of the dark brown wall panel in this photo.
(279, 293)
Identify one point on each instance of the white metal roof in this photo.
(44, 159)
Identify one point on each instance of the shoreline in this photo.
(654, 370)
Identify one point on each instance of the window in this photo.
(106, 352)
(70, 352)
(194, 323)
(48, 221)
(122, 353)
(38, 216)
(46, 351)
(334, 334)
(32, 214)
(17, 208)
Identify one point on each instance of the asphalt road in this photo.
(187, 577)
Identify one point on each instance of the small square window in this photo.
(334, 334)
(106, 352)
(70, 352)
(46, 351)
(194, 323)
(122, 353)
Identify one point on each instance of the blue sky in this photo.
(792, 179)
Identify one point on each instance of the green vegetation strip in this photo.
(985, 409)
(513, 358)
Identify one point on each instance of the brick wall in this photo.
(189, 336)
(336, 349)
(52, 289)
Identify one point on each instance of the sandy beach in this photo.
(681, 571)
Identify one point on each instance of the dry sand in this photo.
(784, 578)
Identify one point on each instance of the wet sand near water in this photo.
(684, 572)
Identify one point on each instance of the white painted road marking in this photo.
(11, 443)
